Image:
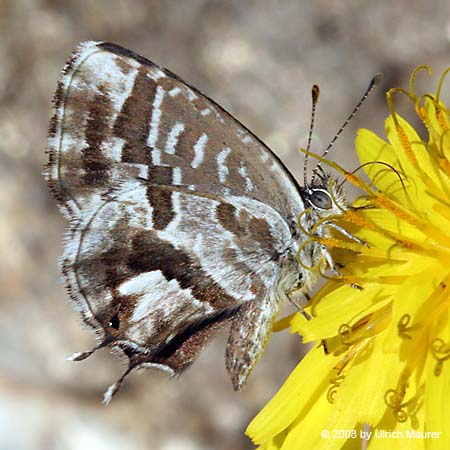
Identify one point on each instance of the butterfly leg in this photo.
(329, 259)
(297, 304)
(333, 268)
(326, 252)
(344, 232)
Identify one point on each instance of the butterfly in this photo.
(180, 221)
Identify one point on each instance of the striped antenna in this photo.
(373, 82)
(315, 91)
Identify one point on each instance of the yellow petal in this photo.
(346, 305)
(301, 390)
(363, 391)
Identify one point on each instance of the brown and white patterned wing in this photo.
(178, 215)
(159, 294)
(118, 114)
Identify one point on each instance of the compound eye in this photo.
(321, 199)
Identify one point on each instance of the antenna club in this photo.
(376, 79)
(315, 91)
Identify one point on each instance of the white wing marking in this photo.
(199, 148)
(221, 166)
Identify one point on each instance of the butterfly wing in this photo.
(178, 214)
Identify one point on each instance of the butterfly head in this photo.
(323, 203)
(322, 198)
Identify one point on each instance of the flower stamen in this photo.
(441, 82)
(412, 79)
(403, 327)
(441, 352)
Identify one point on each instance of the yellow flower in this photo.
(379, 362)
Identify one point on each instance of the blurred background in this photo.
(256, 58)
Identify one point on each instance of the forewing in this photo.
(118, 114)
